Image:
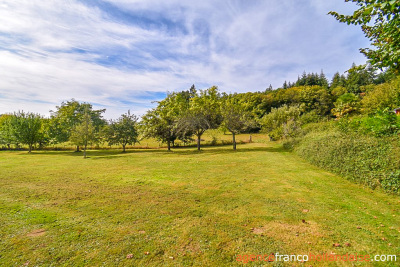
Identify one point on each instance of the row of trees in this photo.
(353, 80)
(178, 117)
(187, 114)
(191, 113)
(73, 122)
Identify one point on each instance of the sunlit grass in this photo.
(210, 138)
(183, 208)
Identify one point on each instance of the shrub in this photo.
(279, 118)
(382, 123)
(383, 96)
(338, 91)
(310, 117)
(364, 159)
(346, 104)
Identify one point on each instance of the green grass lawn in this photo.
(184, 208)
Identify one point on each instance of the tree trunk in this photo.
(198, 142)
(84, 151)
(77, 149)
(123, 148)
(234, 141)
(251, 139)
(169, 145)
(30, 148)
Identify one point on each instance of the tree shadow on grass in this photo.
(184, 151)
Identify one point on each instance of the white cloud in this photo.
(57, 50)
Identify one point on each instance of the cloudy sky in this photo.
(124, 54)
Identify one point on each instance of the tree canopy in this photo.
(70, 114)
(26, 128)
(202, 113)
(84, 132)
(380, 22)
(161, 122)
(123, 130)
(235, 118)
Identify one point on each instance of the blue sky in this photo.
(124, 54)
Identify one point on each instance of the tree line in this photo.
(180, 116)
(188, 114)
(72, 121)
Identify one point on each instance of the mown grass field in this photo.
(184, 208)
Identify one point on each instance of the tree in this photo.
(6, 137)
(160, 122)
(281, 122)
(26, 128)
(202, 114)
(84, 132)
(315, 98)
(380, 22)
(346, 104)
(235, 118)
(382, 96)
(68, 115)
(285, 85)
(359, 76)
(322, 80)
(123, 131)
(338, 80)
(156, 126)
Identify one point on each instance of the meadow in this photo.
(150, 207)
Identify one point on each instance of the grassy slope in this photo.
(199, 208)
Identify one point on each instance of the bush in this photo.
(382, 123)
(310, 117)
(364, 159)
(280, 121)
(346, 104)
(383, 96)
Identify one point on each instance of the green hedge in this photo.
(364, 159)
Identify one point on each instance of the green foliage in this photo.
(338, 91)
(123, 131)
(252, 102)
(161, 122)
(315, 98)
(281, 122)
(84, 132)
(235, 118)
(359, 76)
(203, 113)
(69, 115)
(346, 104)
(310, 117)
(380, 21)
(26, 128)
(338, 81)
(310, 79)
(382, 123)
(6, 136)
(382, 96)
(363, 159)
(307, 97)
